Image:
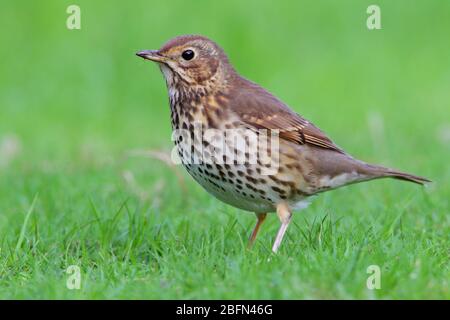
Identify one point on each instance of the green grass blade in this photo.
(24, 225)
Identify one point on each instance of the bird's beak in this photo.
(152, 55)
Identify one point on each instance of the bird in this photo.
(244, 145)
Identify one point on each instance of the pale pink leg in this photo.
(285, 217)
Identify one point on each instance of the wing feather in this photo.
(261, 110)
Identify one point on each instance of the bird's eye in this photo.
(187, 54)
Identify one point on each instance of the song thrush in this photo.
(206, 91)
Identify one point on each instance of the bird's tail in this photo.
(383, 172)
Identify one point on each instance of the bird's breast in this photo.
(223, 157)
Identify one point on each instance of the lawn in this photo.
(85, 125)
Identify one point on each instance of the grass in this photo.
(74, 105)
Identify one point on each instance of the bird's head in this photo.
(190, 60)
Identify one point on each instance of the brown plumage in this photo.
(206, 91)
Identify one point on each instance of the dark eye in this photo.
(187, 54)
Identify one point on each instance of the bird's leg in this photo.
(285, 217)
(261, 217)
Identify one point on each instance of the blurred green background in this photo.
(75, 103)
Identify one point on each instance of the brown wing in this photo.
(260, 109)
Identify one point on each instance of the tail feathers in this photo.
(382, 172)
(407, 177)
